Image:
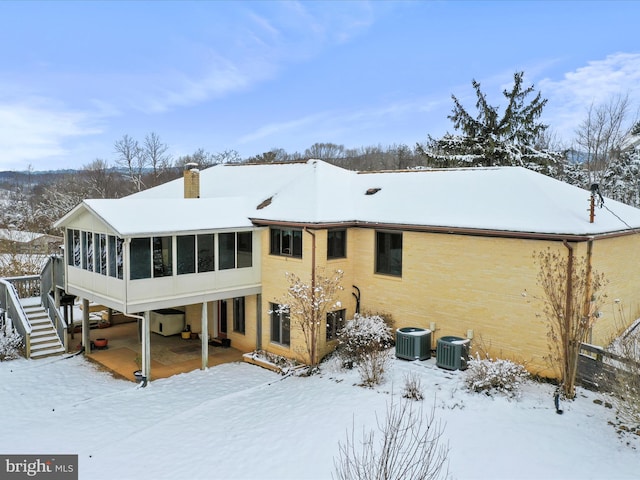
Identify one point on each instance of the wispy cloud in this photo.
(330, 125)
(596, 83)
(35, 130)
(177, 89)
(261, 47)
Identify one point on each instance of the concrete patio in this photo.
(170, 355)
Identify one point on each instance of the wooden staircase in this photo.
(44, 338)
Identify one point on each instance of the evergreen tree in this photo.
(621, 180)
(491, 138)
(573, 173)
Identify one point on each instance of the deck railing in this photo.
(597, 367)
(49, 304)
(12, 289)
(14, 313)
(26, 286)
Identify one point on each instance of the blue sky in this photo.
(252, 76)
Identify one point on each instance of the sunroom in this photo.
(145, 257)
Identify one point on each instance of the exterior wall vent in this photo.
(452, 353)
(265, 203)
(413, 343)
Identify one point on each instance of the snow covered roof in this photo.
(254, 182)
(21, 236)
(142, 216)
(506, 199)
(496, 199)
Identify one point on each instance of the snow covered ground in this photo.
(241, 421)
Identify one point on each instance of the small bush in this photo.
(361, 336)
(372, 367)
(412, 387)
(625, 385)
(407, 444)
(363, 343)
(495, 376)
(10, 346)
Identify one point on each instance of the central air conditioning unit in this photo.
(413, 343)
(452, 353)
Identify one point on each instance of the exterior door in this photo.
(222, 319)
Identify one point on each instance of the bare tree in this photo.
(226, 156)
(102, 180)
(601, 134)
(18, 264)
(265, 157)
(155, 155)
(409, 447)
(131, 158)
(308, 304)
(58, 198)
(324, 151)
(203, 158)
(572, 296)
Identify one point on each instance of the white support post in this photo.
(86, 337)
(205, 335)
(146, 347)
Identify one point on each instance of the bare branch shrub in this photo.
(626, 384)
(412, 387)
(364, 343)
(362, 335)
(308, 304)
(408, 446)
(495, 376)
(372, 367)
(572, 297)
(10, 345)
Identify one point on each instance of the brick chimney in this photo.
(191, 181)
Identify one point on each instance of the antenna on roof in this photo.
(595, 190)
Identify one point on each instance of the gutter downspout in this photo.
(146, 350)
(314, 346)
(589, 286)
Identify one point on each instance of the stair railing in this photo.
(49, 304)
(14, 313)
(51, 280)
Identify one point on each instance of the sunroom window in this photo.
(162, 257)
(205, 252)
(186, 246)
(140, 254)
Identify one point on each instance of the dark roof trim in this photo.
(448, 230)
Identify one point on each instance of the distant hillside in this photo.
(10, 179)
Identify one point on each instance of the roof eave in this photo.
(448, 230)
